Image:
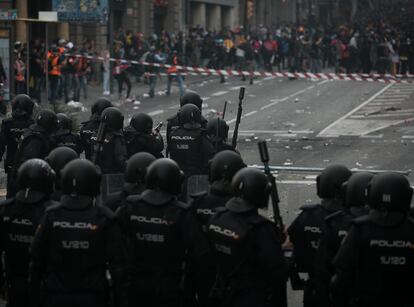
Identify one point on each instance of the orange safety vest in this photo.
(173, 68)
(55, 70)
(19, 66)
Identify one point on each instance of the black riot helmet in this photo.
(329, 182)
(164, 174)
(136, 167)
(190, 116)
(355, 190)
(224, 165)
(59, 157)
(80, 177)
(22, 105)
(191, 97)
(113, 118)
(47, 120)
(35, 180)
(217, 129)
(63, 122)
(390, 191)
(253, 186)
(100, 105)
(141, 122)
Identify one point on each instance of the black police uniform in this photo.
(205, 203)
(173, 123)
(71, 250)
(191, 149)
(249, 256)
(19, 219)
(143, 142)
(87, 131)
(113, 155)
(11, 132)
(89, 128)
(65, 137)
(162, 231)
(217, 130)
(307, 228)
(335, 230)
(375, 263)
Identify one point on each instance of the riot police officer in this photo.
(57, 159)
(189, 144)
(11, 131)
(140, 136)
(246, 245)
(375, 263)
(76, 243)
(64, 135)
(306, 229)
(221, 171)
(218, 132)
(335, 230)
(174, 122)
(164, 235)
(37, 141)
(110, 153)
(89, 128)
(19, 218)
(135, 171)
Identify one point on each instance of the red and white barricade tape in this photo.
(383, 78)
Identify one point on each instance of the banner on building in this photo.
(81, 10)
(8, 14)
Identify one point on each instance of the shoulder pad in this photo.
(182, 205)
(53, 207)
(257, 220)
(221, 209)
(334, 215)
(309, 207)
(361, 219)
(133, 198)
(106, 212)
(199, 194)
(6, 202)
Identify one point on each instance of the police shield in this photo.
(111, 184)
(196, 184)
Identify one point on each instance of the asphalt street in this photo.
(307, 123)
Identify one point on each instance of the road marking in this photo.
(378, 136)
(250, 113)
(408, 137)
(307, 182)
(234, 88)
(324, 133)
(219, 93)
(276, 101)
(156, 112)
(205, 98)
(176, 106)
(277, 131)
(231, 121)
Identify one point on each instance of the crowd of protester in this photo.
(378, 40)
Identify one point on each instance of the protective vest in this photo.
(305, 233)
(19, 222)
(231, 237)
(204, 206)
(55, 69)
(77, 250)
(13, 130)
(386, 263)
(173, 69)
(185, 149)
(154, 231)
(87, 131)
